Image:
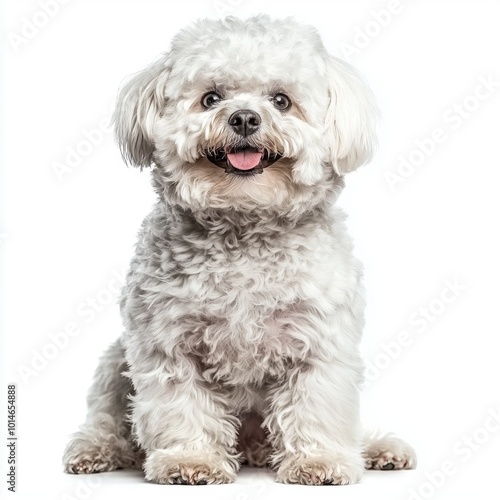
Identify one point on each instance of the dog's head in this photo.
(247, 114)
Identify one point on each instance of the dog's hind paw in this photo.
(389, 453)
(87, 456)
(87, 467)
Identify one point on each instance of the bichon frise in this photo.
(243, 308)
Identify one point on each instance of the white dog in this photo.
(243, 308)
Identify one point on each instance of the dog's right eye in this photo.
(210, 99)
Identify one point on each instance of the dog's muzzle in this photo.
(242, 161)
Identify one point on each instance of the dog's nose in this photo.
(245, 122)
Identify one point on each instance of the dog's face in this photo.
(246, 115)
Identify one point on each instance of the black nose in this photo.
(244, 122)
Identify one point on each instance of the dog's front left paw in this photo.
(192, 467)
(320, 470)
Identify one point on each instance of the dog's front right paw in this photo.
(164, 467)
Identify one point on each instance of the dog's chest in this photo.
(251, 276)
(250, 303)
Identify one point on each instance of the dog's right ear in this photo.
(139, 104)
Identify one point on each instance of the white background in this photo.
(64, 239)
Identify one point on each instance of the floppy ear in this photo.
(139, 104)
(351, 117)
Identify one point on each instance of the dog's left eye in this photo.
(210, 99)
(281, 102)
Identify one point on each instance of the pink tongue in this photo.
(244, 160)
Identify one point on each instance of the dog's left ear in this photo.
(140, 102)
(351, 117)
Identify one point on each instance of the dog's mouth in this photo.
(242, 161)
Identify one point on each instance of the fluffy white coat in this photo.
(243, 308)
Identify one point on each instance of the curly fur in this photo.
(243, 308)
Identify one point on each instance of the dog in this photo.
(243, 306)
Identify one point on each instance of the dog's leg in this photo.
(104, 441)
(184, 424)
(388, 452)
(313, 418)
